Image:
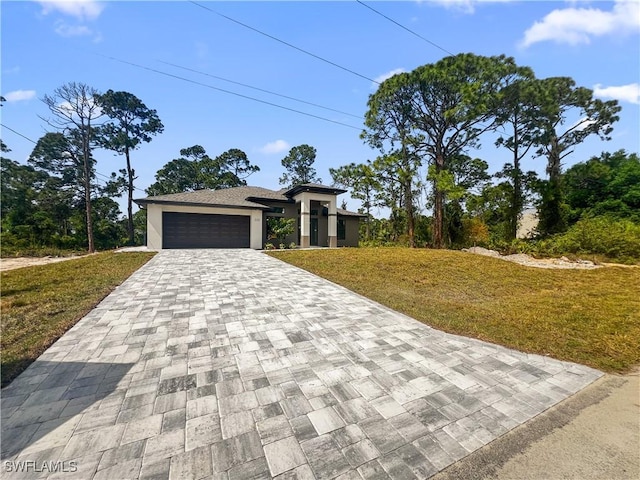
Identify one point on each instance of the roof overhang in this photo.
(313, 189)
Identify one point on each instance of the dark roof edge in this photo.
(143, 201)
(267, 199)
(313, 189)
(348, 213)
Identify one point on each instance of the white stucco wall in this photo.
(154, 221)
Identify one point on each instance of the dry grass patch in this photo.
(585, 316)
(40, 303)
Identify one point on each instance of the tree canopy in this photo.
(130, 123)
(195, 170)
(298, 166)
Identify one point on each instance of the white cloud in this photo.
(576, 26)
(275, 147)
(80, 9)
(583, 123)
(464, 6)
(65, 30)
(625, 93)
(381, 78)
(20, 95)
(11, 71)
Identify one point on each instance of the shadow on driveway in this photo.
(53, 397)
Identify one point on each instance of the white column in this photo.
(154, 227)
(305, 221)
(333, 224)
(256, 229)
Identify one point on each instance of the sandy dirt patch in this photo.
(11, 263)
(529, 261)
(21, 262)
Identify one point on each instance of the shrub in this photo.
(269, 246)
(475, 231)
(292, 245)
(616, 239)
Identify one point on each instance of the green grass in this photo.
(40, 303)
(585, 316)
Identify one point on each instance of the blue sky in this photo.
(47, 44)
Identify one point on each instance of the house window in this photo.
(277, 210)
(342, 229)
(314, 212)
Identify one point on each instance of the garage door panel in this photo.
(196, 230)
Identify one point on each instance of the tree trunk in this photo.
(408, 205)
(129, 199)
(438, 206)
(517, 203)
(87, 199)
(408, 194)
(438, 218)
(552, 218)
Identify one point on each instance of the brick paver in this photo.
(231, 364)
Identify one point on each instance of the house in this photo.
(237, 217)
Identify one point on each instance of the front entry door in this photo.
(314, 232)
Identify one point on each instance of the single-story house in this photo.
(237, 217)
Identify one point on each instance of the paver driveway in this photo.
(230, 364)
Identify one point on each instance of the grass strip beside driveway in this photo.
(39, 304)
(590, 317)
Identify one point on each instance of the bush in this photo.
(475, 232)
(616, 239)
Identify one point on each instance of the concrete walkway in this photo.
(233, 365)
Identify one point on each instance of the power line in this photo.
(306, 52)
(229, 92)
(34, 142)
(259, 89)
(17, 133)
(404, 28)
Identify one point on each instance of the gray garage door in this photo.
(195, 230)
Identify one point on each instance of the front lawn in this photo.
(585, 316)
(40, 303)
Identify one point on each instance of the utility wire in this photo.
(17, 133)
(306, 52)
(229, 92)
(404, 28)
(34, 142)
(259, 89)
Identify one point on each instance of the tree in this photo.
(363, 184)
(74, 110)
(561, 102)
(131, 123)
(605, 185)
(298, 165)
(177, 176)
(62, 156)
(236, 163)
(448, 105)
(464, 177)
(456, 102)
(19, 185)
(390, 121)
(195, 170)
(518, 112)
(390, 195)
